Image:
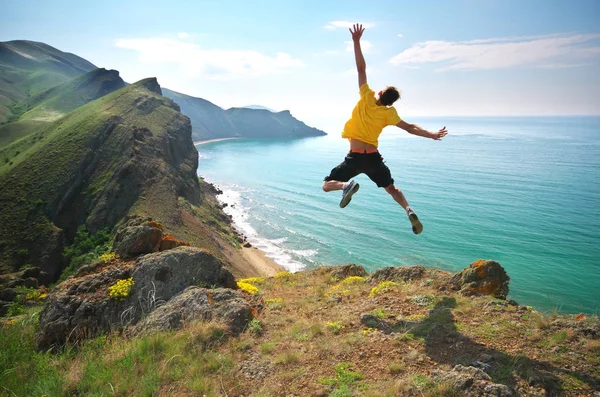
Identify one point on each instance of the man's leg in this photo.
(398, 196)
(330, 186)
(339, 179)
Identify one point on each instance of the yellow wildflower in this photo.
(120, 290)
(253, 280)
(382, 287)
(249, 288)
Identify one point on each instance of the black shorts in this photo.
(370, 164)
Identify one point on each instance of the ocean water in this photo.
(522, 191)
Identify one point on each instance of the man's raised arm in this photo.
(416, 130)
(361, 65)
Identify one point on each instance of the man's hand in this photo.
(356, 31)
(437, 136)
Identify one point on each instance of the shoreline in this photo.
(198, 143)
(259, 260)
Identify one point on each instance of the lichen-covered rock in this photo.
(169, 242)
(483, 277)
(472, 381)
(136, 240)
(195, 303)
(81, 307)
(345, 271)
(401, 273)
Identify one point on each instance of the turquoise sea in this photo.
(523, 191)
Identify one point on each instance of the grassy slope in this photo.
(28, 68)
(63, 98)
(50, 105)
(43, 170)
(127, 152)
(309, 341)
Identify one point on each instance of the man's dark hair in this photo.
(389, 96)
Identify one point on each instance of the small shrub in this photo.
(395, 368)
(284, 276)
(255, 327)
(249, 288)
(107, 257)
(252, 280)
(334, 326)
(267, 348)
(15, 309)
(379, 313)
(352, 280)
(274, 303)
(120, 290)
(382, 287)
(286, 358)
(36, 295)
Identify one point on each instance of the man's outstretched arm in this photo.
(416, 130)
(361, 65)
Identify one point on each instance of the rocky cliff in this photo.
(93, 167)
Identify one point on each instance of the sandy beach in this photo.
(212, 140)
(263, 265)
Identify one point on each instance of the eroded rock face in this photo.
(195, 303)
(137, 240)
(402, 273)
(81, 307)
(482, 277)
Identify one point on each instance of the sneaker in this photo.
(417, 227)
(349, 190)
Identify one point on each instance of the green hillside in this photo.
(53, 103)
(92, 167)
(209, 121)
(28, 68)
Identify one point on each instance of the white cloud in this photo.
(347, 24)
(495, 53)
(400, 35)
(215, 64)
(365, 45)
(183, 35)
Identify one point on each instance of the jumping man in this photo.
(369, 117)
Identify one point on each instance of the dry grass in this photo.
(312, 342)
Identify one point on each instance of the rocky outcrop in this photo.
(345, 271)
(482, 277)
(398, 274)
(135, 152)
(83, 307)
(136, 240)
(169, 242)
(472, 382)
(224, 305)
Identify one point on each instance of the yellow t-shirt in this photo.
(368, 119)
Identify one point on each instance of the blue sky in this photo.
(467, 57)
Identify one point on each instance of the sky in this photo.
(448, 58)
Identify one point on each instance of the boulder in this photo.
(81, 307)
(195, 303)
(169, 242)
(472, 381)
(136, 240)
(483, 277)
(8, 294)
(398, 274)
(345, 271)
